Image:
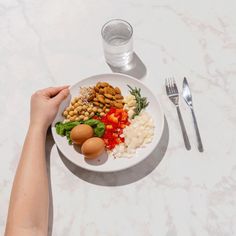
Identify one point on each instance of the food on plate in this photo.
(107, 96)
(115, 121)
(78, 110)
(97, 125)
(93, 100)
(141, 101)
(102, 118)
(139, 133)
(130, 105)
(64, 129)
(81, 133)
(86, 94)
(93, 147)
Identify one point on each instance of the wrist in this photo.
(39, 128)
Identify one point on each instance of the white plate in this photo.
(104, 163)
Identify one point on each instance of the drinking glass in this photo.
(117, 42)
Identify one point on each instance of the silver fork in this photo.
(173, 94)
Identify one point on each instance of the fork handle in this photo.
(184, 133)
(199, 141)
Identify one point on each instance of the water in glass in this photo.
(117, 42)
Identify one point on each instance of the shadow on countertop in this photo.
(50, 142)
(126, 176)
(135, 68)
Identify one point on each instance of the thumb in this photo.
(61, 96)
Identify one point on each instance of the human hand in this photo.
(45, 104)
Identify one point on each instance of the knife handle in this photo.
(184, 133)
(199, 140)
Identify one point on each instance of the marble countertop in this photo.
(175, 192)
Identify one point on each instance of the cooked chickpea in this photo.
(84, 107)
(77, 118)
(86, 113)
(85, 118)
(72, 108)
(107, 110)
(82, 112)
(102, 114)
(68, 109)
(91, 114)
(95, 109)
(65, 113)
(99, 110)
(71, 113)
(79, 108)
(72, 118)
(68, 117)
(90, 109)
(75, 112)
(76, 105)
(81, 117)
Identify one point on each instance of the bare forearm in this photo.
(29, 202)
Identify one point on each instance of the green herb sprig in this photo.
(141, 101)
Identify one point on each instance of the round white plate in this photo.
(105, 163)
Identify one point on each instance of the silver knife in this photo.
(188, 99)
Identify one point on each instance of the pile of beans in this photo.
(107, 96)
(78, 110)
(102, 97)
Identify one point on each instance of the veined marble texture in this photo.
(185, 193)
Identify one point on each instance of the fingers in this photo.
(53, 91)
(61, 96)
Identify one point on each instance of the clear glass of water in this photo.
(117, 42)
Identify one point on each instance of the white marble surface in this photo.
(176, 192)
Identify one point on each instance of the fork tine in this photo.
(171, 87)
(167, 87)
(175, 86)
(170, 82)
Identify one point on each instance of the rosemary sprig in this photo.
(141, 101)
